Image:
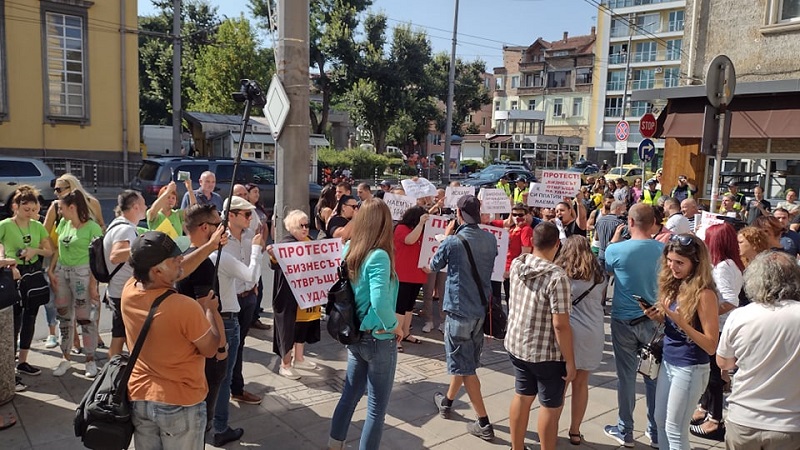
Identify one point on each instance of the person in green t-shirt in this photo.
(24, 238)
(162, 210)
(76, 290)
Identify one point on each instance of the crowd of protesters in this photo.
(724, 299)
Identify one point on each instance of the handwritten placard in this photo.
(418, 188)
(398, 204)
(494, 201)
(452, 194)
(706, 220)
(435, 225)
(502, 236)
(554, 186)
(310, 268)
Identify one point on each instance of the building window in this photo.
(618, 54)
(613, 107)
(619, 28)
(560, 53)
(616, 81)
(639, 108)
(483, 121)
(515, 81)
(577, 107)
(65, 62)
(651, 23)
(559, 79)
(672, 76)
(644, 79)
(674, 49)
(514, 104)
(497, 106)
(676, 21)
(583, 76)
(498, 83)
(3, 74)
(558, 107)
(531, 105)
(645, 51)
(487, 83)
(783, 11)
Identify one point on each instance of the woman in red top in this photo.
(407, 247)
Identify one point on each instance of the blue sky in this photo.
(483, 25)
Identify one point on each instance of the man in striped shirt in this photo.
(606, 226)
(539, 338)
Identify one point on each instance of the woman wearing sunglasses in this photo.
(76, 290)
(340, 223)
(687, 306)
(294, 327)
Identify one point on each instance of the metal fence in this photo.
(94, 173)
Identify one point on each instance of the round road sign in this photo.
(647, 125)
(647, 150)
(623, 130)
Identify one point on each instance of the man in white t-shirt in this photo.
(677, 223)
(762, 339)
(117, 246)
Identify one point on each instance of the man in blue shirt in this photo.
(465, 309)
(635, 264)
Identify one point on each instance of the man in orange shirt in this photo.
(168, 386)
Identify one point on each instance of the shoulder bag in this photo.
(103, 418)
(650, 355)
(9, 295)
(343, 323)
(496, 321)
(33, 287)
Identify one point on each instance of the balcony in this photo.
(618, 58)
(613, 112)
(675, 26)
(630, 3)
(615, 85)
(531, 65)
(648, 56)
(643, 84)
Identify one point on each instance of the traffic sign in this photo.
(647, 125)
(621, 148)
(647, 150)
(277, 109)
(623, 130)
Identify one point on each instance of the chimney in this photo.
(594, 30)
(566, 34)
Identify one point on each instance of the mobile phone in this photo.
(642, 301)
(183, 176)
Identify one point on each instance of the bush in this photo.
(363, 163)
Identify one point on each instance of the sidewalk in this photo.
(296, 414)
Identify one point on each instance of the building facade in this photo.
(69, 79)
(640, 46)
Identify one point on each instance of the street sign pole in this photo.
(720, 87)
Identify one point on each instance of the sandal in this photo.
(575, 438)
(400, 349)
(698, 420)
(412, 339)
(7, 421)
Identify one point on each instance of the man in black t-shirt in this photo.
(758, 206)
(339, 223)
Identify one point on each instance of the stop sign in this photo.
(647, 125)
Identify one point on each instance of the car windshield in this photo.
(617, 171)
(575, 169)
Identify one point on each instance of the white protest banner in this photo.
(494, 201)
(310, 268)
(418, 188)
(501, 234)
(435, 225)
(706, 220)
(452, 194)
(398, 204)
(554, 186)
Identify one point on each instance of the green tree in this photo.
(219, 66)
(469, 93)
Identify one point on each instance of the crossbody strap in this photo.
(119, 266)
(582, 296)
(137, 348)
(475, 273)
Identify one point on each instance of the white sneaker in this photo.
(287, 372)
(441, 327)
(51, 342)
(427, 327)
(62, 368)
(91, 369)
(304, 364)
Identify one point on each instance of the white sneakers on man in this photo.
(62, 368)
(91, 369)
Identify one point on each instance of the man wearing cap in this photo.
(465, 309)
(504, 186)
(239, 269)
(651, 194)
(683, 190)
(738, 197)
(167, 385)
(385, 187)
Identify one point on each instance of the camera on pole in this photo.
(250, 91)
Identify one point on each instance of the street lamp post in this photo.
(451, 82)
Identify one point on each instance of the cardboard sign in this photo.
(554, 186)
(706, 220)
(398, 204)
(502, 236)
(452, 194)
(494, 201)
(419, 188)
(435, 225)
(310, 268)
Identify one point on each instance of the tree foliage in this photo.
(469, 93)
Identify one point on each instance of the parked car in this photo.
(628, 171)
(588, 172)
(491, 177)
(16, 171)
(157, 172)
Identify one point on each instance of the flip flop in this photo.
(400, 349)
(7, 421)
(413, 340)
(575, 438)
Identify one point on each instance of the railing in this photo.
(643, 84)
(94, 173)
(675, 26)
(628, 3)
(613, 112)
(615, 85)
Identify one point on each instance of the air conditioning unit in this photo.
(659, 69)
(563, 115)
(518, 138)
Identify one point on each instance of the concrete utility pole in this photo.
(292, 149)
(628, 55)
(451, 84)
(176, 79)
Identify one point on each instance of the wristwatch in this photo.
(223, 349)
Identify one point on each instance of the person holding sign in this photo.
(407, 246)
(370, 266)
(163, 216)
(570, 221)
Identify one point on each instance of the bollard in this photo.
(94, 166)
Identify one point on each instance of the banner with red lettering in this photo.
(501, 234)
(435, 225)
(554, 186)
(310, 268)
(706, 220)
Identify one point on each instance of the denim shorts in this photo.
(463, 343)
(542, 378)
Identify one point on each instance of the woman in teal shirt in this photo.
(370, 261)
(77, 295)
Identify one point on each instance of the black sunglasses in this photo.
(213, 224)
(59, 190)
(518, 214)
(683, 239)
(247, 214)
(305, 225)
(354, 206)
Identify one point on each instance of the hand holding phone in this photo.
(642, 302)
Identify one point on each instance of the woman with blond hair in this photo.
(369, 259)
(588, 286)
(687, 306)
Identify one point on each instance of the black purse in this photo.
(343, 323)
(33, 287)
(496, 321)
(9, 295)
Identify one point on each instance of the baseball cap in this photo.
(733, 183)
(151, 249)
(470, 209)
(238, 204)
(386, 183)
(652, 181)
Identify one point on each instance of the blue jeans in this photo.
(463, 344)
(679, 389)
(370, 364)
(224, 396)
(248, 309)
(626, 339)
(161, 426)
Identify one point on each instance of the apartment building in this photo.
(639, 46)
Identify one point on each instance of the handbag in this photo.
(496, 321)
(9, 295)
(343, 323)
(650, 355)
(33, 287)
(103, 418)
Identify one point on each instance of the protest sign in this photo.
(501, 234)
(435, 225)
(310, 268)
(398, 204)
(706, 220)
(418, 188)
(494, 201)
(452, 194)
(554, 186)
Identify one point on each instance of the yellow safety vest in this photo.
(505, 187)
(648, 200)
(518, 195)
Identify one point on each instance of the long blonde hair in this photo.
(578, 261)
(372, 230)
(687, 291)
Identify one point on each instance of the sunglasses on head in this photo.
(683, 239)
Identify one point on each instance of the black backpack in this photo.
(343, 322)
(97, 258)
